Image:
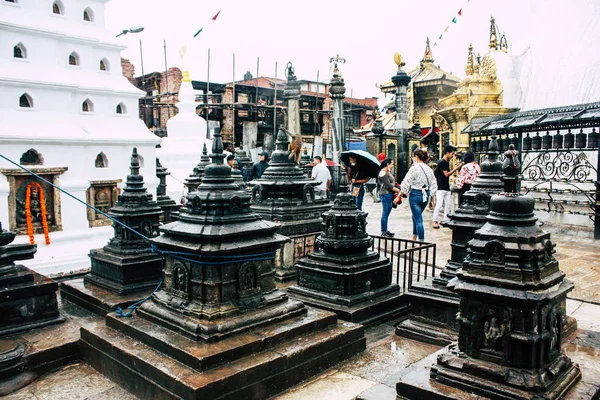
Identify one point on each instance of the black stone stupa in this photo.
(27, 299)
(284, 194)
(344, 275)
(511, 314)
(304, 161)
(195, 178)
(218, 327)
(126, 269)
(168, 206)
(433, 306)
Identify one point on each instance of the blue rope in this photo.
(119, 311)
(75, 198)
(176, 254)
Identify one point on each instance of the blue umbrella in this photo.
(367, 163)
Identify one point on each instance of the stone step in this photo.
(201, 356)
(148, 373)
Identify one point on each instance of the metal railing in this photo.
(412, 261)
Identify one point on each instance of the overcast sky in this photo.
(310, 32)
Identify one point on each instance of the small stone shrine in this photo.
(344, 275)
(511, 314)
(27, 299)
(195, 178)
(168, 206)
(433, 307)
(284, 194)
(304, 161)
(218, 327)
(126, 269)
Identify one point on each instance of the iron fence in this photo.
(412, 261)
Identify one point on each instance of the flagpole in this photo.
(166, 77)
(207, 94)
(233, 101)
(256, 84)
(275, 105)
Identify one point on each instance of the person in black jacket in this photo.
(259, 168)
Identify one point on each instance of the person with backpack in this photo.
(442, 176)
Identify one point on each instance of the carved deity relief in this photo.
(35, 204)
(179, 278)
(553, 325)
(235, 205)
(494, 252)
(493, 332)
(248, 283)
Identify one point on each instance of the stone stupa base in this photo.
(368, 308)
(154, 362)
(27, 301)
(447, 375)
(432, 318)
(97, 299)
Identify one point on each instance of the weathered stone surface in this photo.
(511, 313)
(344, 275)
(168, 206)
(218, 327)
(27, 299)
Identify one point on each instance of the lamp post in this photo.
(401, 81)
(135, 29)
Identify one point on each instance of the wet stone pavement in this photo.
(373, 374)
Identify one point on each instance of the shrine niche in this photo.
(26, 190)
(103, 196)
(101, 161)
(31, 157)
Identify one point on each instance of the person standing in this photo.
(419, 183)
(321, 174)
(468, 173)
(386, 194)
(259, 168)
(357, 182)
(442, 175)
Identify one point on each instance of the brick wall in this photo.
(128, 70)
(227, 123)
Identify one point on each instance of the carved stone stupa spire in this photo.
(493, 35)
(428, 56)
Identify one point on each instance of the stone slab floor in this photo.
(370, 375)
(373, 374)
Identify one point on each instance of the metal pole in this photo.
(207, 94)
(166, 77)
(256, 84)
(275, 106)
(316, 116)
(597, 199)
(233, 101)
(143, 83)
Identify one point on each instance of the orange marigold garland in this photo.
(28, 212)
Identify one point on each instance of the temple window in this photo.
(25, 101)
(31, 157)
(87, 106)
(121, 109)
(104, 65)
(73, 59)
(57, 8)
(19, 51)
(88, 15)
(101, 161)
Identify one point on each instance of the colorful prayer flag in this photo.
(441, 36)
(199, 30)
(446, 30)
(435, 44)
(460, 12)
(216, 15)
(454, 20)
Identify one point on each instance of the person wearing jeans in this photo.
(386, 194)
(420, 184)
(357, 182)
(442, 176)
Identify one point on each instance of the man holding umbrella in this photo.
(360, 167)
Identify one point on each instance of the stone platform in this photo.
(45, 349)
(96, 299)
(154, 362)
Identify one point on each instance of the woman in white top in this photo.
(420, 184)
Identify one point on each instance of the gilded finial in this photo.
(503, 43)
(427, 57)
(335, 60)
(493, 35)
(470, 66)
(399, 61)
(186, 77)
